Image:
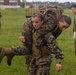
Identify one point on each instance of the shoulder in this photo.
(28, 23)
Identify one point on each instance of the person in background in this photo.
(73, 9)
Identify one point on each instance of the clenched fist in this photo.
(58, 67)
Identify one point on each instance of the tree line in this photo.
(42, 4)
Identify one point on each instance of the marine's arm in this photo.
(53, 48)
(27, 29)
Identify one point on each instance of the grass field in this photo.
(12, 22)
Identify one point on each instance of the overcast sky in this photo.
(55, 0)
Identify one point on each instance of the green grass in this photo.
(12, 22)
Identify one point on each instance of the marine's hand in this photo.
(58, 67)
(22, 38)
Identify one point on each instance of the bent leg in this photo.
(10, 52)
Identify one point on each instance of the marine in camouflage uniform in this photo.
(73, 8)
(45, 43)
(20, 50)
(49, 16)
(52, 14)
(27, 29)
(51, 43)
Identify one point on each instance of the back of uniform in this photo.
(51, 15)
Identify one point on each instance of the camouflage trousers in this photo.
(40, 66)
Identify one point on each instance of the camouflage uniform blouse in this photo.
(27, 33)
(46, 36)
(74, 27)
(42, 36)
(50, 25)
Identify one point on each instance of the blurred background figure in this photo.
(73, 9)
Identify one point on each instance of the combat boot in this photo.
(6, 52)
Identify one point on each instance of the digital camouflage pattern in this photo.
(11, 52)
(53, 46)
(53, 10)
(48, 26)
(41, 65)
(45, 42)
(27, 33)
(51, 15)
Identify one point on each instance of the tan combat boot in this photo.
(6, 52)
